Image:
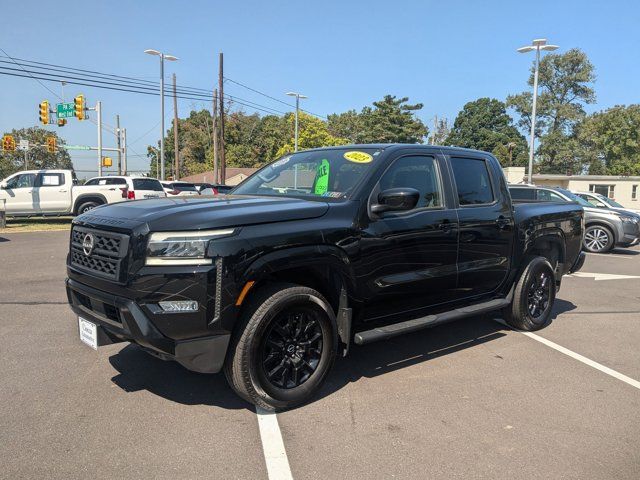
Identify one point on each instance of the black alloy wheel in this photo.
(539, 293)
(292, 348)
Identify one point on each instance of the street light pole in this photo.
(162, 56)
(298, 97)
(537, 45)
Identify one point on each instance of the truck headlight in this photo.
(182, 248)
(633, 220)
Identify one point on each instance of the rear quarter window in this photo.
(147, 184)
(522, 193)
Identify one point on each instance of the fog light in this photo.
(179, 306)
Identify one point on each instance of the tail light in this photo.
(215, 191)
(131, 195)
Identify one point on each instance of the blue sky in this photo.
(342, 54)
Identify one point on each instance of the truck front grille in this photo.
(98, 252)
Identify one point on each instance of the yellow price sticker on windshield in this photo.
(358, 157)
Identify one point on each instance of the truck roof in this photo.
(387, 146)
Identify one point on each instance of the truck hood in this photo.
(193, 213)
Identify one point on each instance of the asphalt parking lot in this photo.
(470, 399)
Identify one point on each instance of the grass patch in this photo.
(34, 224)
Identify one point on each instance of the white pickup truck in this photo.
(56, 192)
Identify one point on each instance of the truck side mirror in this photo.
(396, 200)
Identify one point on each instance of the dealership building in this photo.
(624, 190)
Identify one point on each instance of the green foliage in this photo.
(313, 133)
(612, 138)
(390, 120)
(485, 125)
(11, 162)
(565, 87)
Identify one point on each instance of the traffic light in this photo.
(8, 143)
(44, 112)
(107, 162)
(62, 122)
(79, 107)
(51, 144)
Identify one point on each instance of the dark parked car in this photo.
(604, 228)
(270, 283)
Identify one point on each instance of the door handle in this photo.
(62, 191)
(503, 222)
(112, 189)
(445, 225)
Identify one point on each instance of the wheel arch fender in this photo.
(88, 197)
(325, 268)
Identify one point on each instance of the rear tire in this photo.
(283, 348)
(598, 239)
(86, 206)
(533, 297)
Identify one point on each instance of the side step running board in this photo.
(393, 330)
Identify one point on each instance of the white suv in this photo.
(133, 188)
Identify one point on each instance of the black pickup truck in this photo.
(317, 251)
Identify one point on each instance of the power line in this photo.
(272, 98)
(133, 84)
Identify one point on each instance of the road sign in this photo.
(76, 147)
(65, 110)
(23, 145)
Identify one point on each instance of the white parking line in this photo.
(577, 356)
(611, 255)
(275, 455)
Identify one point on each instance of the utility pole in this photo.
(215, 137)
(435, 130)
(298, 97)
(99, 114)
(223, 166)
(124, 151)
(118, 143)
(176, 158)
(537, 45)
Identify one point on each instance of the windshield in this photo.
(607, 200)
(318, 173)
(574, 198)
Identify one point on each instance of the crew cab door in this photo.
(18, 193)
(52, 192)
(408, 259)
(486, 224)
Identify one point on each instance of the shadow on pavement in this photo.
(140, 371)
(625, 251)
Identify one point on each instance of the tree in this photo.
(485, 125)
(313, 133)
(38, 156)
(390, 120)
(565, 87)
(612, 140)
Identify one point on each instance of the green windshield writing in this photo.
(322, 177)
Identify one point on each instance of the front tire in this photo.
(598, 239)
(533, 297)
(284, 347)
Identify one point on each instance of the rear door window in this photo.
(549, 196)
(50, 180)
(473, 181)
(147, 184)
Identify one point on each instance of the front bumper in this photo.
(120, 319)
